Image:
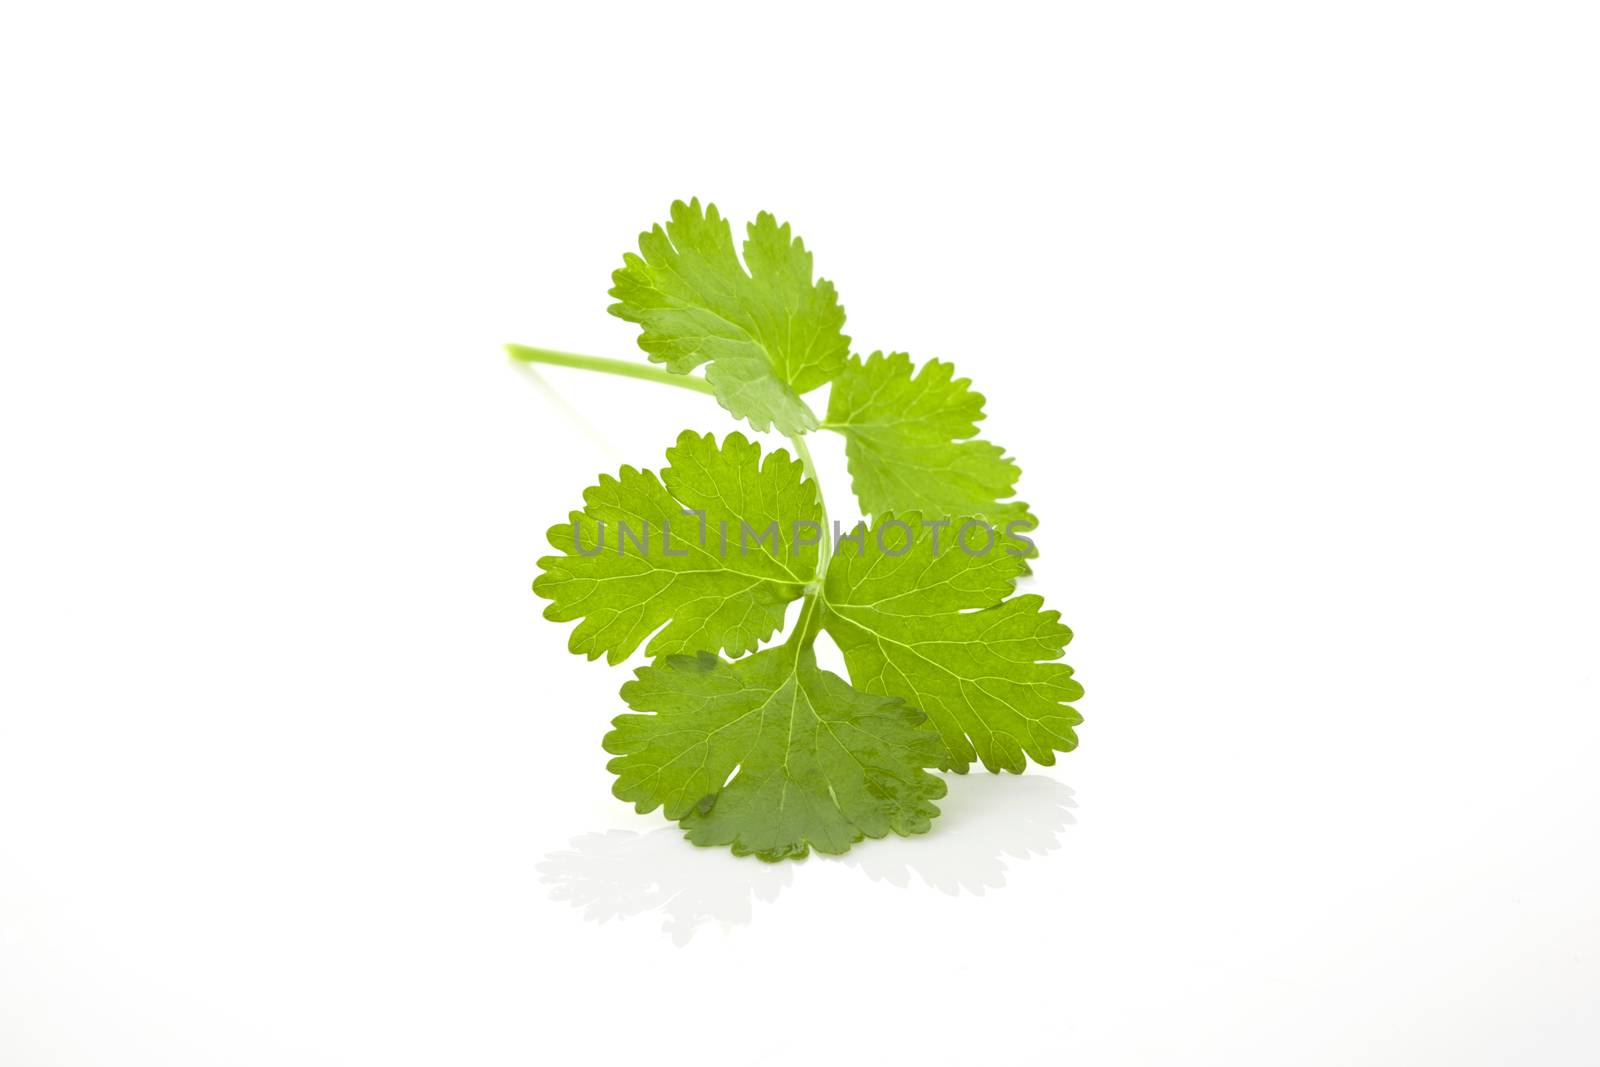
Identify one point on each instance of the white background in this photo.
(1288, 311)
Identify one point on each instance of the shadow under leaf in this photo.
(988, 823)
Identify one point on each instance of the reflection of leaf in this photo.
(989, 825)
(986, 822)
(620, 873)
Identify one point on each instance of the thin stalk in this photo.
(808, 625)
(810, 468)
(812, 610)
(621, 367)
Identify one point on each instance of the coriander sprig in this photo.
(766, 752)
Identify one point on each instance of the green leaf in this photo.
(772, 755)
(909, 442)
(769, 753)
(725, 587)
(936, 629)
(768, 334)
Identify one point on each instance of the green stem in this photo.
(811, 612)
(622, 367)
(810, 468)
(808, 625)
